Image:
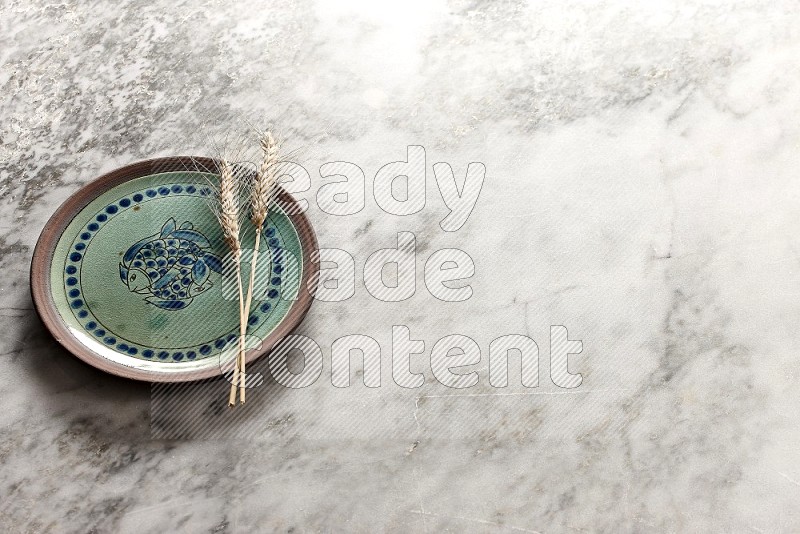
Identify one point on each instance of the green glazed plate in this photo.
(131, 274)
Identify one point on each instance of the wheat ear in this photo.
(229, 221)
(262, 191)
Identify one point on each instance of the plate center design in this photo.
(170, 267)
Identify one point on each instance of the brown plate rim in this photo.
(41, 290)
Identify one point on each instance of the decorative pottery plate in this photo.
(132, 276)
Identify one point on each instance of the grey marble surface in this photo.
(641, 189)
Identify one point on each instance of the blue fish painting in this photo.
(171, 267)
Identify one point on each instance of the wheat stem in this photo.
(237, 378)
(247, 303)
(229, 221)
(260, 198)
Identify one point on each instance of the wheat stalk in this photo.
(264, 183)
(228, 215)
(262, 191)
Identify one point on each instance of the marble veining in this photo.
(640, 189)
